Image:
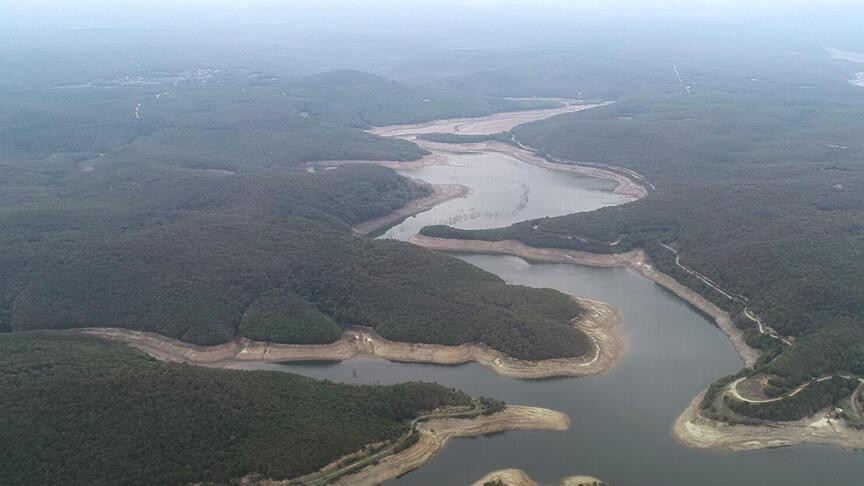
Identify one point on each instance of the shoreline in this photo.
(441, 193)
(690, 428)
(436, 433)
(635, 260)
(482, 125)
(598, 321)
(693, 430)
(625, 186)
(517, 477)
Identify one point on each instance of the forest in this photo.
(201, 220)
(812, 399)
(758, 174)
(205, 258)
(77, 410)
(171, 196)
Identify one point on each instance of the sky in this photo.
(828, 18)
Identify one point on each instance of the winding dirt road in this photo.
(733, 389)
(762, 328)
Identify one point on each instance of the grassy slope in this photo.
(81, 411)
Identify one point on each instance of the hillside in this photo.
(77, 410)
(758, 187)
(173, 203)
(204, 258)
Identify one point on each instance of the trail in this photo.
(762, 328)
(733, 389)
(681, 80)
(155, 97)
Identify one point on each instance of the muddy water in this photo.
(621, 419)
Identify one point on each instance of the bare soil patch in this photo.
(487, 125)
(694, 430)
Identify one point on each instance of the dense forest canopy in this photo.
(78, 410)
(173, 203)
(179, 200)
(156, 174)
(198, 257)
(759, 177)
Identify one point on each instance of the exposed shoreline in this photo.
(517, 477)
(434, 436)
(625, 186)
(690, 428)
(635, 260)
(485, 125)
(440, 193)
(598, 320)
(436, 433)
(694, 430)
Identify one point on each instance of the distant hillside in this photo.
(221, 119)
(384, 101)
(594, 72)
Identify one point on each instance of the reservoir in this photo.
(621, 419)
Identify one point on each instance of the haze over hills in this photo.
(160, 172)
(756, 169)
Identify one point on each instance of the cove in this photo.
(620, 419)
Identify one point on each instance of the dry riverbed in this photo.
(487, 125)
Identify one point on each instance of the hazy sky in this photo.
(829, 18)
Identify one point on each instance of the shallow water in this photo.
(504, 191)
(621, 418)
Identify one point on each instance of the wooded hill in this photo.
(179, 206)
(77, 410)
(760, 186)
(195, 223)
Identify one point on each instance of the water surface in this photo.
(622, 418)
(504, 191)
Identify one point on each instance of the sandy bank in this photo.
(694, 430)
(598, 321)
(636, 260)
(440, 193)
(517, 477)
(486, 125)
(435, 434)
